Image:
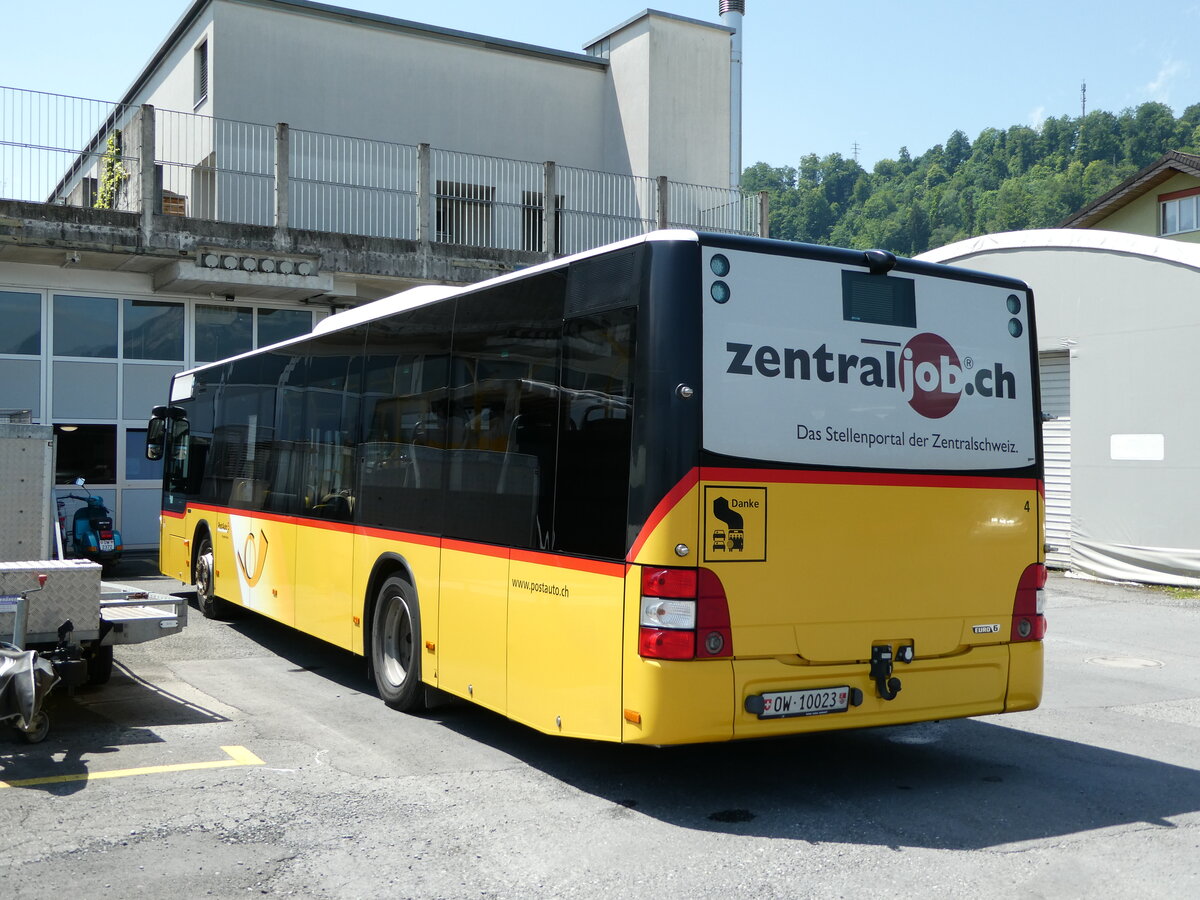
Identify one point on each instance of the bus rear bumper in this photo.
(697, 701)
(973, 683)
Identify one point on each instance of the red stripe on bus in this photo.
(665, 505)
(579, 564)
(407, 537)
(871, 479)
(594, 566)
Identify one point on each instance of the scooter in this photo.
(92, 533)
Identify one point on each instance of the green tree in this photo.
(1099, 138)
(1149, 133)
(958, 150)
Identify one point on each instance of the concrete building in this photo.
(279, 159)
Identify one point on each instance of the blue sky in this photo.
(820, 77)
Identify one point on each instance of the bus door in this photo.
(566, 607)
(564, 636)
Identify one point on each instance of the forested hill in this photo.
(1002, 181)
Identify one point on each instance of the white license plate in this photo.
(107, 545)
(811, 702)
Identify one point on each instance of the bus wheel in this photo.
(395, 643)
(211, 606)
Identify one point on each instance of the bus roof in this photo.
(431, 293)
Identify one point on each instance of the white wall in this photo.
(343, 77)
(668, 109)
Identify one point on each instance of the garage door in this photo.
(1056, 447)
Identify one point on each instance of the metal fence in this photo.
(215, 169)
(47, 140)
(58, 149)
(352, 186)
(486, 201)
(711, 208)
(600, 207)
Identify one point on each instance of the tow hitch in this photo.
(882, 659)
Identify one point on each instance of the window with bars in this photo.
(532, 231)
(464, 213)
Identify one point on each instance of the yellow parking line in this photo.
(238, 756)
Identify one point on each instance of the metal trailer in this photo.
(102, 614)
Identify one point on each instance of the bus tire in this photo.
(395, 646)
(210, 605)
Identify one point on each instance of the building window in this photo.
(532, 211)
(85, 326)
(22, 317)
(153, 330)
(201, 65)
(1180, 214)
(86, 451)
(223, 331)
(137, 467)
(275, 325)
(464, 213)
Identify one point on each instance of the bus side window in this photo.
(332, 388)
(591, 501)
(503, 413)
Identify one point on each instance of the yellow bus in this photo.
(687, 487)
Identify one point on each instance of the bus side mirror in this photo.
(156, 430)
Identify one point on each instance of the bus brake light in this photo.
(684, 615)
(1029, 605)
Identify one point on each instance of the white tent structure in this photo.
(1118, 328)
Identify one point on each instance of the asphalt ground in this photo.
(242, 757)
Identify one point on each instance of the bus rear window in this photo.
(879, 301)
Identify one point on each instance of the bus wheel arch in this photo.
(393, 638)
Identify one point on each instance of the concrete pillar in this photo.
(426, 211)
(283, 172)
(150, 197)
(550, 210)
(764, 214)
(663, 201)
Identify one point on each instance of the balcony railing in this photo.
(73, 151)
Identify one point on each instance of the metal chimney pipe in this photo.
(731, 15)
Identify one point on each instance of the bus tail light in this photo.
(684, 615)
(1029, 606)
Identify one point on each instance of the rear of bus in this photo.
(837, 475)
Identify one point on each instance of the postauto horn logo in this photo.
(927, 371)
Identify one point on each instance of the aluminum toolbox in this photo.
(72, 592)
